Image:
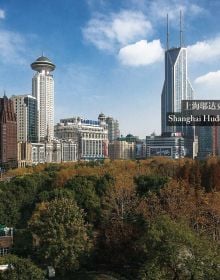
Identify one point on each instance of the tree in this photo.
(22, 243)
(83, 188)
(173, 251)
(121, 226)
(61, 233)
(149, 183)
(22, 269)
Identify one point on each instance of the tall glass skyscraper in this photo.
(176, 86)
(43, 91)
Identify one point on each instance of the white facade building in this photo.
(43, 91)
(54, 152)
(38, 153)
(69, 151)
(90, 136)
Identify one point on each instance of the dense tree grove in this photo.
(152, 219)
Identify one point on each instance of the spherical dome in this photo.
(43, 62)
(129, 135)
(101, 116)
(43, 58)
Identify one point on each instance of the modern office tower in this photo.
(43, 91)
(176, 86)
(8, 134)
(113, 129)
(208, 138)
(90, 136)
(26, 111)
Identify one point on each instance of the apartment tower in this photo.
(43, 91)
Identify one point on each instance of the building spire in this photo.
(168, 35)
(181, 31)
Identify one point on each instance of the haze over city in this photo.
(109, 55)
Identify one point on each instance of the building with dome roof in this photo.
(43, 91)
(90, 136)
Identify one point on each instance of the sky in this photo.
(109, 54)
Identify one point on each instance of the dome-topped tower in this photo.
(43, 63)
(101, 117)
(43, 91)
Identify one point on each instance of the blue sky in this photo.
(109, 54)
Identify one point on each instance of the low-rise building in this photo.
(91, 137)
(124, 147)
(24, 154)
(172, 145)
(6, 240)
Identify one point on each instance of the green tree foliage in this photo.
(85, 194)
(18, 198)
(88, 192)
(22, 243)
(149, 183)
(124, 203)
(20, 269)
(104, 184)
(55, 193)
(173, 251)
(121, 227)
(61, 233)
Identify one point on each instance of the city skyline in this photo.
(109, 57)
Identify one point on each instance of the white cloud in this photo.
(12, 47)
(211, 78)
(116, 30)
(160, 9)
(2, 14)
(207, 86)
(204, 51)
(141, 53)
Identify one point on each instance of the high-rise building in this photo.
(176, 86)
(26, 111)
(8, 133)
(208, 141)
(113, 129)
(43, 91)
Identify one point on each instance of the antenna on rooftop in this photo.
(181, 31)
(168, 32)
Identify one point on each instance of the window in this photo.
(4, 251)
